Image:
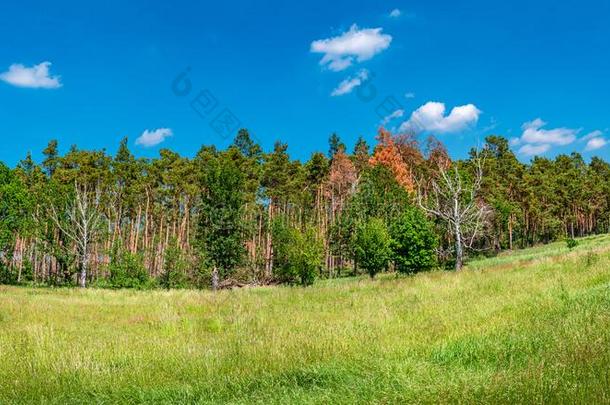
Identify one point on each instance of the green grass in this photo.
(528, 327)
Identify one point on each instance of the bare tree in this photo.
(81, 221)
(455, 201)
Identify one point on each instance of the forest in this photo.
(244, 216)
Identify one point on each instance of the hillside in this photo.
(528, 326)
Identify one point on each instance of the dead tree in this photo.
(455, 201)
(81, 221)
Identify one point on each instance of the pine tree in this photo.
(334, 145)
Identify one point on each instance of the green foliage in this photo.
(174, 268)
(7, 275)
(51, 157)
(414, 242)
(220, 228)
(15, 209)
(334, 145)
(127, 269)
(246, 145)
(298, 253)
(223, 202)
(378, 196)
(373, 246)
(571, 243)
(281, 177)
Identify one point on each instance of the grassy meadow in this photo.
(530, 326)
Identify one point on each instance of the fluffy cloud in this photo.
(537, 140)
(396, 114)
(431, 117)
(349, 84)
(33, 77)
(533, 150)
(595, 143)
(534, 133)
(152, 138)
(595, 140)
(395, 13)
(354, 45)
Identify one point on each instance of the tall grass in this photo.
(531, 326)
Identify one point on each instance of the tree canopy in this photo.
(244, 215)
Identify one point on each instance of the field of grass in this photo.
(528, 327)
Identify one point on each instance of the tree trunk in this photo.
(510, 232)
(82, 277)
(459, 252)
(269, 247)
(215, 279)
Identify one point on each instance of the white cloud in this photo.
(537, 140)
(595, 143)
(595, 140)
(395, 13)
(33, 77)
(410, 95)
(354, 45)
(431, 117)
(595, 134)
(532, 150)
(349, 84)
(152, 138)
(396, 114)
(534, 133)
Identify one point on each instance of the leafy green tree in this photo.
(378, 196)
(15, 208)
(373, 246)
(219, 232)
(15, 218)
(414, 242)
(298, 253)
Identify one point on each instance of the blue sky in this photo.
(536, 72)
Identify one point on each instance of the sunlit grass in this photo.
(530, 326)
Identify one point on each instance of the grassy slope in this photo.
(532, 326)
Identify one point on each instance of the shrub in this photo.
(6, 275)
(413, 242)
(571, 243)
(174, 268)
(298, 254)
(127, 270)
(372, 246)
